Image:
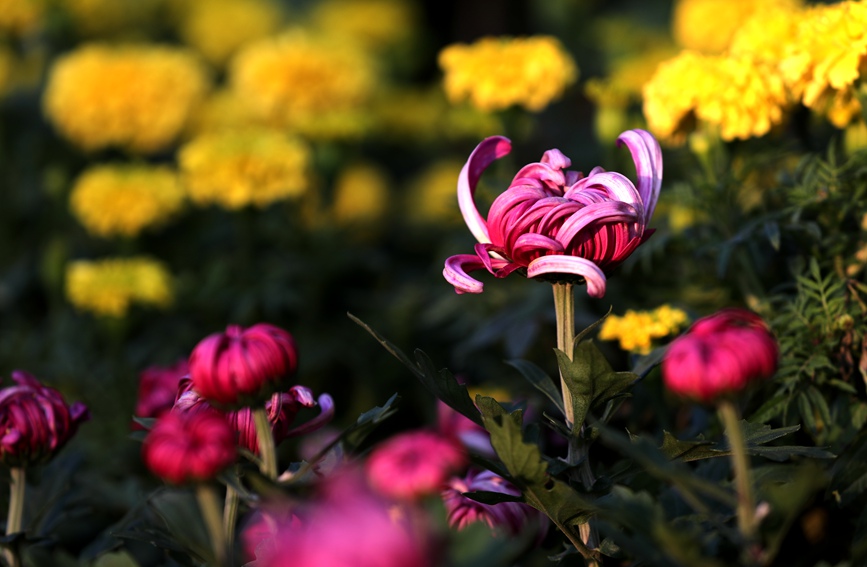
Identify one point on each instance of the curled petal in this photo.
(530, 240)
(556, 158)
(486, 152)
(326, 414)
(647, 156)
(570, 265)
(610, 211)
(456, 270)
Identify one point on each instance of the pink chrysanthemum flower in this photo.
(556, 223)
(158, 388)
(414, 464)
(508, 517)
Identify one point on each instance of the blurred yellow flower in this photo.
(111, 18)
(237, 168)
(766, 35)
(636, 330)
(430, 195)
(223, 109)
(110, 286)
(740, 96)
(361, 195)
(708, 25)
(313, 87)
(218, 28)
(134, 97)
(375, 24)
(121, 200)
(495, 73)
(21, 17)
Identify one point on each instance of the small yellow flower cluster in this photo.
(636, 330)
(495, 73)
(314, 87)
(431, 195)
(21, 17)
(237, 168)
(360, 195)
(218, 28)
(121, 200)
(134, 97)
(108, 287)
(374, 24)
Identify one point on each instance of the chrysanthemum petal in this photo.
(570, 265)
(456, 270)
(486, 152)
(647, 156)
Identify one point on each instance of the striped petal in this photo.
(647, 156)
(591, 273)
(486, 152)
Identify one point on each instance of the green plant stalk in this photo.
(230, 518)
(210, 506)
(267, 451)
(17, 486)
(746, 508)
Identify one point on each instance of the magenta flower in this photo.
(471, 435)
(720, 355)
(509, 517)
(414, 464)
(184, 447)
(158, 388)
(555, 223)
(35, 421)
(243, 366)
(282, 408)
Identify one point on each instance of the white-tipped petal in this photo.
(486, 152)
(558, 264)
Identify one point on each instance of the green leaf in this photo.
(179, 511)
(579, 338)
(486, 497)
(116, 559)
(648, 362)
(399, 354)
(540, 380)
(849, 473)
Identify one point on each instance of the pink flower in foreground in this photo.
(414, 464)
(184, 447)
(282, 408)
(556, 223)
(348, 527)
(471, 435)
(509, 517)
(158, 388)
(35, 421)
(243, 366)
(720, 355)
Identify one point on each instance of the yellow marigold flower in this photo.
(495, 73)
(234, 169)
(361, 195)
(223, 109)
(134, 97)
(314, 87)
(375, 24)
(825, 58)
(430, 196)
(110, 286)
(111, 18)
(636, 330)
(708, 25)
(218, 28)
(21, 17)
(740, 96)
(121, 200)
(766, 35)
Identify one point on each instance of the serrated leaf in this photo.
(686, 451)
(579, 338)
(540, 380)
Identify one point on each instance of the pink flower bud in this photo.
(186, 447)
(243, 366)
(282, 408)
(720, 355)
(158, 388)
(35, 422)
(414, 464)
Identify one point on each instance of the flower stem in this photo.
(740, 462)
(210, 507)
(230, 518)
(267, 451)
(17, 485)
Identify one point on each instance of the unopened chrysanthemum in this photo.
(507, 517)
(315, 87)
(743, 97)
(122, 200)
(556, 223)
(237, 168)
(636, 330)
(111, 286)
(133, 97)
(495, 73)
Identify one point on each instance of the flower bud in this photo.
(243, 366)
(158, 388)
(189, 446)
(720, 355)
(35, 421)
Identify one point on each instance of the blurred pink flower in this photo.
(348, 526)
(509, 517)
(158, 388)
(282, 408)
(557, 223)
(243, 366)
(472, 435)
(261, 528)
(35, 421)
(720, 355)
(184, 447)
(414, 464)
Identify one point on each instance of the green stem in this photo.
(230, 518)
(209, 504)
(17, 485)
(740, 462)
(267, 451)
